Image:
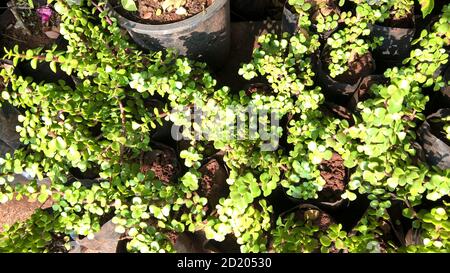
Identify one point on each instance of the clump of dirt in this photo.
(58, 244)
(213, 183)
(149, 9)
(162, 162)
(334, 173)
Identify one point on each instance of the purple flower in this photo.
(45, 13)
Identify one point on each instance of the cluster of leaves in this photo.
(303, 235)
(353, 40)
(105, 122)
(398, 9)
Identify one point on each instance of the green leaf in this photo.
(5, 95)
(34, 63)
(395, 103)
(115, 146)
(349, 195)
(42, 197)
(60, 143)
(427, 7)
(339, 244)
(325, 241)
(129, 5)
(120, 229)
(53, 66)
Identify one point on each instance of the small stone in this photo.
(147, 15)
(181, 11)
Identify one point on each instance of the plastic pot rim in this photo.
(171, 27)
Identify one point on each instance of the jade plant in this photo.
(286, 64)
(250, 225)
(323, 14)
(398, 9)
(104, 124)
(302, 235)
(384, 129)
(352, 41)
(432, 228)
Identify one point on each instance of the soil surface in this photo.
(148, 11)
(162, 162)
(334, 173)
(213, 183)
(11, 34)
(324, 8)
(18, 211)
(358, 68)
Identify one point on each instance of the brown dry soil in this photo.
(147, 11)
(10, 36)
(213, 183)
(334, 173)
(358, 68)
(324, 8)
(162, 163)
(18, 211)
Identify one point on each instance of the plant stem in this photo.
(100, 9)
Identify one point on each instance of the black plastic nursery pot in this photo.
(2, 8)
(249, 10)
(443, 95)
(9, 138)
(334, 87)
(396, 45)
(289, 21)
(438, 98)
(204, 36)
(336, 176)
(322, 204)
(213, 183)
(436, 149)
(43, 72)
(363, 91)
